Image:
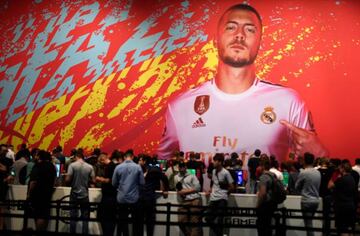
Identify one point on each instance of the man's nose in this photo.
(240, 34)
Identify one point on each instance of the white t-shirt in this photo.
(207, 120)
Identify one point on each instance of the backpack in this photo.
(278, 194)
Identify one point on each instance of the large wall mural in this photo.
(100, 73)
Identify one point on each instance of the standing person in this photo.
(308, 184)
(22, 158)
(107, 209)
(5, 178)
(265, 206)
(41, 189)
(128, 178)
(80, 175)
(356, 168)
(196, 164)
(253, 164)
(154, 179)
(325, 193)
(345, 194)
(268, 116)
(188, 188)
(222, 185)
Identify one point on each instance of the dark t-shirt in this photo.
(7, 162)
(44, 173)
(325, 178)
(152, 183)
(198, 167)
(107, 189)
(345, 192)
(253, 163)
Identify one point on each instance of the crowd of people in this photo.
(131, 182)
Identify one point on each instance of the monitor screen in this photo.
(57, 169)
(240, 177)
(191, 171)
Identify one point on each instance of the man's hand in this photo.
(305, 141)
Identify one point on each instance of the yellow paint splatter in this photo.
(46, 141)
(94, 102)
(94, 137)
(121, 106)
(22, 124)
(52, 112)
(278, 57)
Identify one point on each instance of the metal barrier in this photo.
(281, 216)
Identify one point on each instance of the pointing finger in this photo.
(292, 127)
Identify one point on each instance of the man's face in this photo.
(141, 162)
(217, 163)
(238, 39)
(182, 170)
(102, 159)
(4, 149)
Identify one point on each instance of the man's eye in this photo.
(230, 27)
(250, 30)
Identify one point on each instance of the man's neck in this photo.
(234, 80)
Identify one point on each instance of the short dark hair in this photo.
(357, 161)
(245, 7)
(309, 158)
(346, 166)
(182, 164)
(234, 155)
(97, 151)
(80, 155)
(219, 157)
(129, 152)
(44, 155)
(257, 152)
(265, 161)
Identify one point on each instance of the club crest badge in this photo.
(202, 104)
(268, 116)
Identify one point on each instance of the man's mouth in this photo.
(238, 46)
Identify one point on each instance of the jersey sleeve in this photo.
(169, 141)
(300, 116)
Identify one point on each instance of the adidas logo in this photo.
(199, 123)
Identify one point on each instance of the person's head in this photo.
(192, 156)
(218, 160)
(257, 153)
(97, 152)
(273, 162)
(197, 156)
(234, 156)
(44, 155)
(265, 162)
(117, 156)
(3, 149)
(238, 35)
(308, 159)
(24, 153)
(11, 147)
(357, 161)
(324, 162)
(345, 167)
(79, 155)
(103, 158)
(129, 154)
(144, 160)
(182, 168)
(34, 152)
(73, 152)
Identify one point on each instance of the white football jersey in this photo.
(207, 120)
